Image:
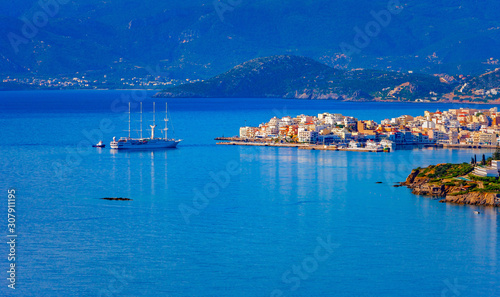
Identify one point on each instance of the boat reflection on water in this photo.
(141, 168)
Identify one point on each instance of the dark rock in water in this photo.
(117, 199)
(378, 182)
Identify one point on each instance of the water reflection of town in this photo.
(340, 177)
(295, 176)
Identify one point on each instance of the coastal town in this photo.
(464, 127)
(86, 82)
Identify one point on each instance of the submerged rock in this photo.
(117, 199)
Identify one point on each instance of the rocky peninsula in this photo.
(455, 183)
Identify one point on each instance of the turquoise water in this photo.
(254, 221)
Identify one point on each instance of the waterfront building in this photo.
(486, 138)
(438, 136)
(248, 132)
(396, 137)
(328, 139)
(456, 126)
(408, 137)
(308, 136)
(419, 138)
(453, 137)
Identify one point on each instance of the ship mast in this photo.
(141, 120)
(166, 119)
(154, 122)
(129, 120)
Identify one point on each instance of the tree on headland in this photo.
(472, 161)
(496, 154)
(484, 160)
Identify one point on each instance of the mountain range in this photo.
(304, 78)
(200, 39)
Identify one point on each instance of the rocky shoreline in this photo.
(315, 95)
(421, 184)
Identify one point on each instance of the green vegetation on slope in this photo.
(448, 170)
(300, 77)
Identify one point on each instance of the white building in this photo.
(318, 128)
(286, 121)
(308, 136)
(428, 125)
(272, 130)
(246, 132)
(474, 126)
(438, 136)
(454, 124)
(453, 137)
(487, 171)
(306, 119)
(349, 121)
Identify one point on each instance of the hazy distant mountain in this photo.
(196, 38)
(304, 78)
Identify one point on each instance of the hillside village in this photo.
(464, 126)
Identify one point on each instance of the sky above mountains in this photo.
(199, 39)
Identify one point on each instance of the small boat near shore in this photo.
(388, 145)
(100, 144)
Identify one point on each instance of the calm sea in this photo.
(209, 220)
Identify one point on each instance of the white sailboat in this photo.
(145, 143)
